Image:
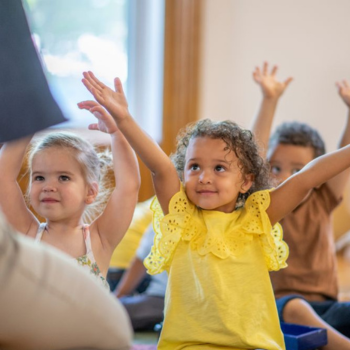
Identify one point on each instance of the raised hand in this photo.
(105, 121)
(270, 86)
(114, 101)
(344, 91)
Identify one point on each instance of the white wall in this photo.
(307, 39)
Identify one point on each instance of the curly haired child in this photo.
(307, 290)
(217, 252)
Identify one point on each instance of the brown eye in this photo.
(219, 168)
(275, 169)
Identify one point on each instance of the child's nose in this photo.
(204, 177)
(49, 187)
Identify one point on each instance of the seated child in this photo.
(217, 231)
(307, 290)
(145, 308)
(124, 253)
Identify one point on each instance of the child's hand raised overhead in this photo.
(114, 101)
(344, 91)
(105, 123)
(270, 86)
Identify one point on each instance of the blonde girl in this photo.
(64, 179)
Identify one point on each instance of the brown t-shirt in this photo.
(308, 231)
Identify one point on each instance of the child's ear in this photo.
(247, 183)
(92, 193)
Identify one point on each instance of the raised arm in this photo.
(272, 89)
(338, 183)
(112, 224)
(291, 192)
(164, 174)
(11, 197)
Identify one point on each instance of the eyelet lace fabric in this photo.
(213, 232)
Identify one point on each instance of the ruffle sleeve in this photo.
(212, 232)
(271, 238)
(169, 230)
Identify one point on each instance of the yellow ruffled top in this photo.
(185, 221)
(219, 294)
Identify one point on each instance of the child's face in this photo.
(58, 189)
(212, 177)
(286, 160)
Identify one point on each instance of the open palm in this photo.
(114, 101)
(270, 86)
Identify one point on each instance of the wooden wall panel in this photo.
(181, 75)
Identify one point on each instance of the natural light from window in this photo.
(112, 38)
(76, 36)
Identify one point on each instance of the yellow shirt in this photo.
(219, 294)
(126, 249)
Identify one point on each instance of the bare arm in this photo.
(11, 198)
(116, 217)
(131, 278)
(164, 174)
(272, 90)
(292, 191)
(337, 184)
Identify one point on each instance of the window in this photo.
(112, 38)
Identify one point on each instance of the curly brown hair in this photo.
(239, 140)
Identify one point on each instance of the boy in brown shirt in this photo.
(306, 291)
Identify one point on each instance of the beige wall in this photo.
(309, 40)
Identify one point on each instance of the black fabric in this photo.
(26, 103)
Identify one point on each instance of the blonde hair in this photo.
(95, 166)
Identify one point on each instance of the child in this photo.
(145, 308)
(217, 252)
(307, 289)
(64, 183)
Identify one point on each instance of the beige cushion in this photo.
(48, 302)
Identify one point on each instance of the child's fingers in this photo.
(265, 67)
(95, 82)
(87, 104)
(90, 82)
(98, 109)
(93, 126)
(274, 70)
(118, 86)
(257, 74)
(87, 84)
(288, 81)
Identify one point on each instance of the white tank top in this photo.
(87, 261)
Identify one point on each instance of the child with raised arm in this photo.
(216, 249)
(64, 178)
(307, 290)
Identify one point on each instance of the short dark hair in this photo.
(298, 134)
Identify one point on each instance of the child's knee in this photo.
(296, 309)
